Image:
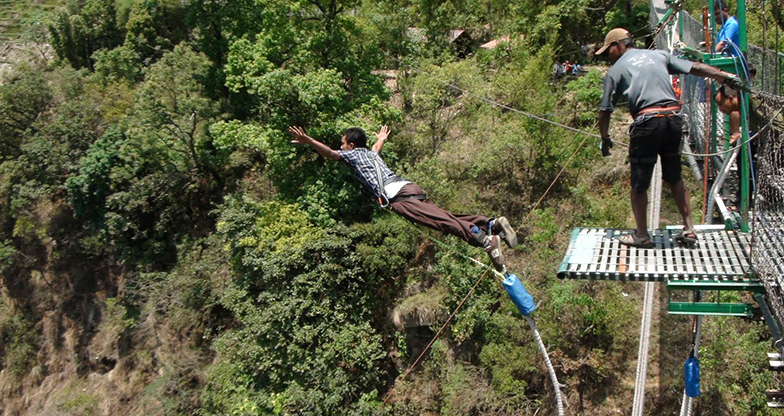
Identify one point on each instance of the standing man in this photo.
(643, 77)
(728, 38)
(406, 198)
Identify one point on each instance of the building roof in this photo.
(503, 39)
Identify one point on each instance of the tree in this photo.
(24, 95)
(305, 305)
(178, 116)
(84, 28)
(215, 24)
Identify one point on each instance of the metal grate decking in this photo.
(596, 253)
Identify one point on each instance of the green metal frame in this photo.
(737, 286)
(717, 308)
(729, 64)
(711, 309)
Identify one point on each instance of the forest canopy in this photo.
(165, 248)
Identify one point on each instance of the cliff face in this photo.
(64, 346)
(13, 52)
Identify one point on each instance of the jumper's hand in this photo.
(383, 133)
(299, 135)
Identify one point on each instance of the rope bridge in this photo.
(768, 219)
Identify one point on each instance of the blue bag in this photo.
(520, 297)
(691, 374)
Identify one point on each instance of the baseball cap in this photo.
(614, 35)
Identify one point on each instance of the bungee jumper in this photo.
(406, 198)
(643, 77)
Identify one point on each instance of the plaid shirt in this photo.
(362, 162)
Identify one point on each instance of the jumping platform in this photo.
(719, 256)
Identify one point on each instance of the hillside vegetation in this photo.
(165, 249)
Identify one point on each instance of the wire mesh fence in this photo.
(705, 130)
(768, 209)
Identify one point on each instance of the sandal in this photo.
(686, 237)
(634, 241)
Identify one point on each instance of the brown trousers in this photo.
(430, 215)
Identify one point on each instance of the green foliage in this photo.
(179, 115)
(587, 91)
(303, 300)
(7, 253)
(147, 185)
(19, 343)
(89, 189)
(79, 403)
(55, 151)
(24, 95)
(510, 354)
(731, 357)
(215, 25)
(154, 27)
(459, 275)
(117, 64)
(233, 135)
(85, 27)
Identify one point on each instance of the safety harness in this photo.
(654, 112)
(659, 111)
(383, 200)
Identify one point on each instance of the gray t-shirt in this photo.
(643, 77)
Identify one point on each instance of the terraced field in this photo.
(16, 14)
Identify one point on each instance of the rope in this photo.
(623, 144)
(641, 376)
(506, 107)
(454, 251)
(688, 403)
(548, 364)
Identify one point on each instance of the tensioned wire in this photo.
(555, 123)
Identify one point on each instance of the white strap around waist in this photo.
(393, 188)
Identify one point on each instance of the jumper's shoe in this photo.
(633, 240)
(493, 249)
(501, 227)
(686, 237)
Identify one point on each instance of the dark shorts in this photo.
(650, 137)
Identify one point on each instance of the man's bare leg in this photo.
(639, 209)
(681, 195)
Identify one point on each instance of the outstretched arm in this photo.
(725, 78)
(701, 70)
(382, 137)
(301, 138)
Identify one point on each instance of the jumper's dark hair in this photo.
(357, 136)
